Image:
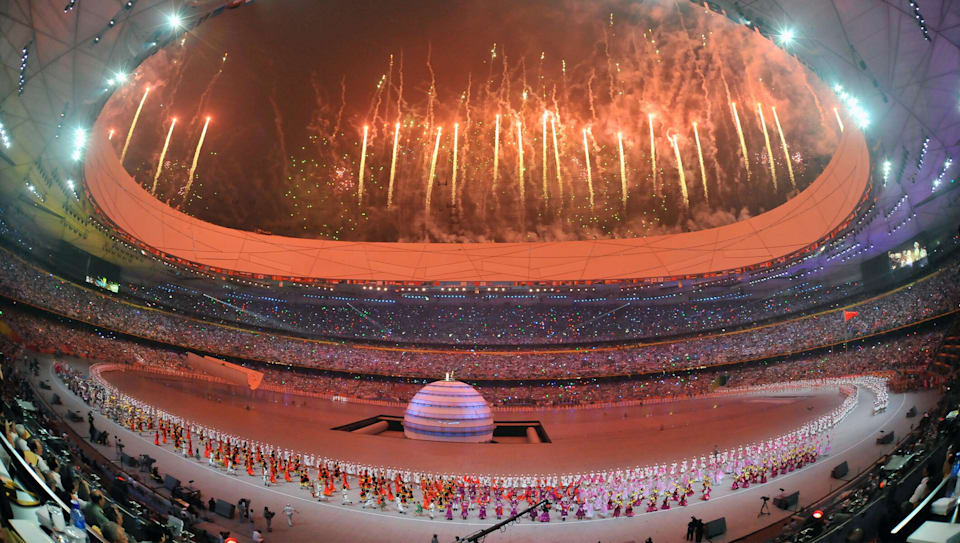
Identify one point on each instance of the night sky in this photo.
(301, 78)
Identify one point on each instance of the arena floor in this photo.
(583, 440)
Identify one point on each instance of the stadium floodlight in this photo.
(79, 142)
(786, 37)
(175, 21)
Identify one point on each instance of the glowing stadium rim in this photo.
(801, 225)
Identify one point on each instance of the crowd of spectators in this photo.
(938, 294)
(894, 352)
(471, 323)
(490, 319)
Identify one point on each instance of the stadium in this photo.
(479, 271)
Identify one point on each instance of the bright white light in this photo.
(787, 36)
(853, 106)
(175, 21)
(120, 77)
(79, 142)
(70, 184)
(4, 137)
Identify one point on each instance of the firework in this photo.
(556, 158)
(623, 172)
(703, 171)
(196, 157)
(766, 139)
(363, 165)
(586, 158)
(683, 179)
(543, 140)
(783, 143)
(110, 135)
(743, 142)
(453, 175)
(496, 153)
(393, 164)
(433, 171)
(840, 122)
(520, 161)
(653, 155)
(133, 125)
(163, 153)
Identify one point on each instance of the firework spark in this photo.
(133, 125)
(163, 153)
(840, 122)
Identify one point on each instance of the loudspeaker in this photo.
(715, 527)
(224, 509)
(912, 413)
(787, 502)
(840, 471)
(885, 439)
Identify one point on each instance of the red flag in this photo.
(847, 315)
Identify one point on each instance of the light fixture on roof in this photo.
(175, 21)
(786, 37)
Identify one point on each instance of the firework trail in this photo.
(133, 125)
(653, 155)
(363, 165)
(586, 158)
(453, 175)
(683, 180)
(432, 92)
(839, 121)
(543, 140)
(393, 164)
(703, 171)
(433, 171)
(766, 139)
(196, 157)
(623, 171)
(343, 103)
(556, 157)
(743, 142)
(520, 168)
(163, 153)
(783, 143)
(496, 153)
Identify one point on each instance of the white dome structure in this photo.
(448, 410)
